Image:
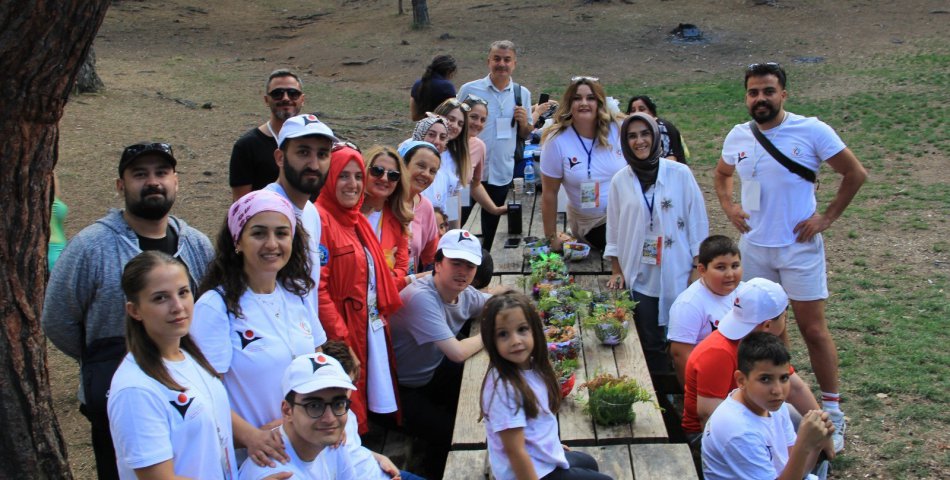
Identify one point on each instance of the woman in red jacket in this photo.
(357, 292)
(386, 207)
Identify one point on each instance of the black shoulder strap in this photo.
(517, 91)
(791, 165)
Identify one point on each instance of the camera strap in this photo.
(791, 165)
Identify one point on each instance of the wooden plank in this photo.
(593, 264)
(473, 223)
(663, 461)
(510, 260)
(467, 465)
(576, 427)
(612, 460)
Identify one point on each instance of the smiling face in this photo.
(165, 304)
(640, 139)
(765, 98)
(284, 107)
(453, 275)
(723, 274)
(266, 243)
(766, 386)
(513, 337)
(437, 135)
(349, 185)
(381, 186)
(322, 432)
(455, 120)
(584, 104)
(423, 166)
(639, 106)
(477, 118)
(501, 64)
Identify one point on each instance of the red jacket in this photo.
(395, 244)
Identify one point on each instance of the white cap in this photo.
(316, 371)
(756, 301)
(304, 126)
(461, 244)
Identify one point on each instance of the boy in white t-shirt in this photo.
(697, 311)
(314, 410)
(750, 434)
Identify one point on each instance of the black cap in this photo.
(134, 151)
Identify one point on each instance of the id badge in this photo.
(590, 194)
(225, 459)
(465, 196)
(503, 128)
(751, 194)
(452, 208)
(377, 324)
(652, 250)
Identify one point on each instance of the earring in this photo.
(237, 251)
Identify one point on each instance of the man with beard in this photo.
(84, 310)
(509, 120)
(252, 158)
(778, 218)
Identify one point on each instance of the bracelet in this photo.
(412, 278)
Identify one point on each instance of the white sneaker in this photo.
(837, 437)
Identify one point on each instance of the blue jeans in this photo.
(404, 475)
(583, 467)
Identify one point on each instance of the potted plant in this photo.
(548, 268)
(609, 329)
(564, 369)
(610, 399)
(563, 341)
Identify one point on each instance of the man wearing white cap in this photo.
(429, 357)
(760, 306)
(315, 406)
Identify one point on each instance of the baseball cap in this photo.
(316, 371)
(461, 244)
(136, 150)
(756, 301)
(304, 126)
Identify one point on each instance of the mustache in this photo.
(152, 190)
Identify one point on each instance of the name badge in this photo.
(452, 208)
(652, 250)
(751, 194)
(377, 324)
(590, 194)
(465, 195)
(503, 128)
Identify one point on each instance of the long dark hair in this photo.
(509, 372)
(444, 66)
(458, 146)
(227, 270)
(140, 345)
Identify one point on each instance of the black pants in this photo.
(498, 195)
(583, 467)
(597, 237)
(428, 412)
(106, 468)
(652, 335)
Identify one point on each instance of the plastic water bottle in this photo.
(530, 180)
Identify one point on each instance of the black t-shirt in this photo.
(168, 244)
(252, 160)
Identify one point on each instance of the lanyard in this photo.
(589, 152)
(271, 130)
(650, 204)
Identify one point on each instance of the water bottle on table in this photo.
(530, 179)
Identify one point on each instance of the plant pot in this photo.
(566, 349)
(568, 385)
(606, 413)
(612, 333)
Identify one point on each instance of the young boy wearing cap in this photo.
(750, 434)
(760, 306)
(315, 407)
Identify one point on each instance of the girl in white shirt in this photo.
(520, 398)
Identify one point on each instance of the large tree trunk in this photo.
(42, 45)
(420, 14)
(88, 80)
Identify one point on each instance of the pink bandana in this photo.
(256, 202)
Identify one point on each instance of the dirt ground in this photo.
(162, 60)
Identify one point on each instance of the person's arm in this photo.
(70, 289)
(160, 471)
(616, 281)
(263, 446)
(415, 115)
(680, 353)
(401, 267)
(705, 406)
(512, 440)
(853, 176)
(549, 189)
(800, 396)
(612, 249)
(724, 185)
(460, 350)
(813, 431)
(481, 196)
(330, 317)
(386, 465)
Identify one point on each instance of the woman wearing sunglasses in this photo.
(580, 151)
(357, 291)
(386, 207)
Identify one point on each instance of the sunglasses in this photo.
(768, 65)
(582, 78)
(454, 103)
(278, 93)
(474, 99)
(134, 150)
(341, 145)
(377, 171)
(316, 408)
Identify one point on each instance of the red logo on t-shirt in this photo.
(247, 338)
(181, 403)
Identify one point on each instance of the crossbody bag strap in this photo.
(791, 165)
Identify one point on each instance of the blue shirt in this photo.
(500, 153)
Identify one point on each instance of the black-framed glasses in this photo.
(470, 98)
(377, 171)
(316, 408)
(584, 77)
(455, 103)
(342, 145)
(278, 93)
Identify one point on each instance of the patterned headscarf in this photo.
(256, 202)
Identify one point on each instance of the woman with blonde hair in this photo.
(386, 207)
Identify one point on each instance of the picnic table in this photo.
(636, 450)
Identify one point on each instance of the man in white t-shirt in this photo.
(778, 214)
(315, 407)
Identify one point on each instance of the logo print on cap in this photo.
(310, 119)
(318, 362)
(464, 235)
(247, 337)
(181, 403)
(735, 303)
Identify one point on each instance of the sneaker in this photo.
(837, 437)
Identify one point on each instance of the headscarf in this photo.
(387, 296)
(256, 202)
(423, 126)
(646, 170)
(409, 146)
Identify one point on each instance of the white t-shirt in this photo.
(440, 190)
(365, 466)
(563, 157)
(331, 463)
(504, 411)
(151, 423)
(786, 198)
(740, 444)
(380, 391)
(310, 219)
(253, 351)
(696, 313)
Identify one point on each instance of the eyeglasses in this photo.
(278, 93)
(316, 408)
(470, 98)
(134, 150)
(457, 104)
(582, 78)
(377, 171)
(342, 145)
(767, 65)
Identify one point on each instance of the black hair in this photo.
(646, 101)
(760, 347)
(763, 69)
(444, 66)
(716, 245)
(484, 272)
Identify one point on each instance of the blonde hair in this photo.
(563, 118)
(398, 201)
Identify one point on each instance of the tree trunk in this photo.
(42, 45)
(88, 80)
(420, 14)
(400, 8)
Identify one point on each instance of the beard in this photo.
(150, 208)
(765, 116)
(282, 114)
(295, 179)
